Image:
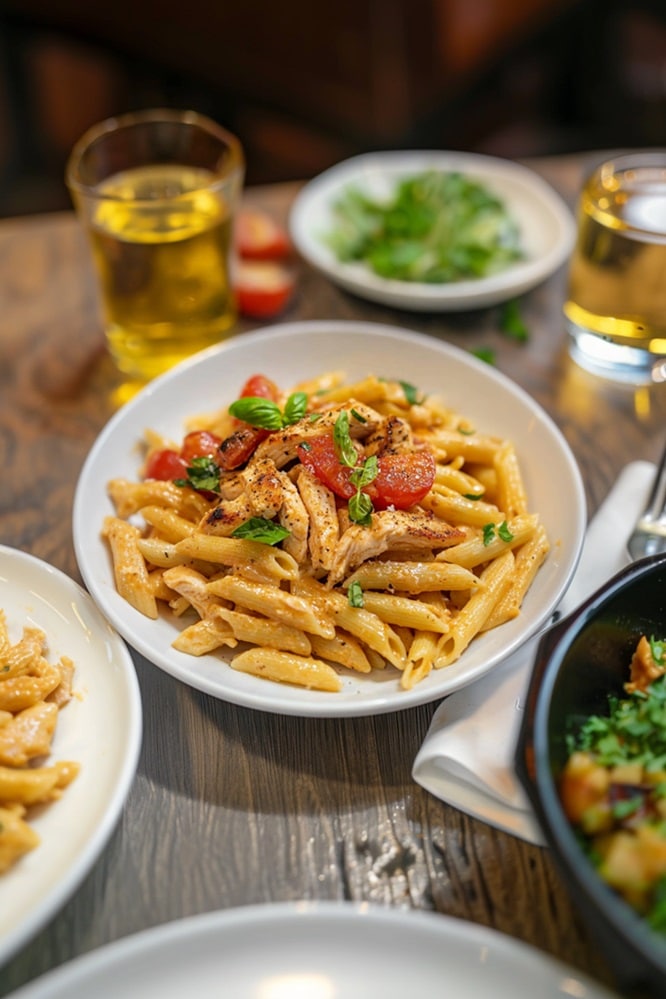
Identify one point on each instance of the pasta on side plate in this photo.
(329, 528)
(32, 692)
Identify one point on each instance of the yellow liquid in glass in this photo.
(617, 279)
(161, 243)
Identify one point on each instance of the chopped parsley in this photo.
(490, 531)
(355, 594)
(511, 322)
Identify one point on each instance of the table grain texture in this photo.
(232, 806)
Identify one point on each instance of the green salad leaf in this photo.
(436, 228)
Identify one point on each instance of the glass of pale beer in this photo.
(616, 298)
(156, 191)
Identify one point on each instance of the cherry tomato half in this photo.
(322, 460)
(263, 288)
(199, 444)
(260, 387)
(259, 237)
(402, 479)
(239, 447)
(165, 465)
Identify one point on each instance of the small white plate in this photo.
(290, 353)
(100, 728)
(310, 950)
(547, 228)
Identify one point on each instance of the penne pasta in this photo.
(32, 692)
(376, 527)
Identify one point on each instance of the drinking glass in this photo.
(616, 300)
(156, 192)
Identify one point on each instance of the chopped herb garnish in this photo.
(355, 594)
(344, 445)
(412, 395)
(473, 496)
(488, 534)
(358, 416)
(658, 649)
(628, 806)
(511, 322)
(486, 354)
(260, 529)
(202, 474)
(504, 532)
(366, 473)
(491, 530)
(360, 506)
(634, 730)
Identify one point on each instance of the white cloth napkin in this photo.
(467, 756)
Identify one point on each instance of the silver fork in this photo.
(649, 535)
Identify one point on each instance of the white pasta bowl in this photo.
(290, 353)
(100, 729)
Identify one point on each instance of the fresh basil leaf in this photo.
(412, 395)
(257, 412)
(360, 509)
(260, 529)
(294, 408)
(203, 473)
(366, 474)
(355, 594)
(343, 443)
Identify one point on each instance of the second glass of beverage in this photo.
(157, 191)
(616, 302)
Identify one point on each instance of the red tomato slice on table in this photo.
(263, 288)
(259, 237)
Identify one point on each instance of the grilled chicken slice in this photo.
(394, 436)
(390, 530)
(324, 533)
(281, 446)
(262, 496)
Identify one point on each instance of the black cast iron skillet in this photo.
(579, 661)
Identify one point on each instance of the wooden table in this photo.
(231, 806)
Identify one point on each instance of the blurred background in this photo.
(305, 84)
